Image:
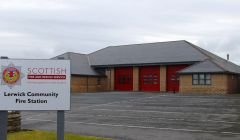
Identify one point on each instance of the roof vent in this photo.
(228, 56)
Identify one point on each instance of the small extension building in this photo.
(175, 66)
(83, 77)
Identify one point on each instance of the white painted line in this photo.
(122, 101)
(183, 105)
(129, 105)
(97, 105)
(204, 97)
(154, 111)
(97, 97)
(154, 119)
(140, 127)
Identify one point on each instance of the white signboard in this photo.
(34, 84)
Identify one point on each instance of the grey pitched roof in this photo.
(213, 63)
(206, 66)
(172, 52)
(163, 53)
(80, 64)
(149, 53)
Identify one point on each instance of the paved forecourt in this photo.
(141, 116)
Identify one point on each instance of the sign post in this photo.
(3, 120)
(60, 125)
(34, 85)
(3, 125)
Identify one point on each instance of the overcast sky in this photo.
(46, 28)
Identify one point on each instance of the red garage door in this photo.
(173, 78)
(150, 78)
(124, 79)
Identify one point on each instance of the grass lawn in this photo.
(45, 135)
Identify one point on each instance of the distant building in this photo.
(175, 66)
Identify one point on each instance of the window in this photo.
(151, 79)
(201, 79)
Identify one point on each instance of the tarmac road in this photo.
(146, 116)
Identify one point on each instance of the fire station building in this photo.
(175, 66)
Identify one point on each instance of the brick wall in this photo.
(135, 79)
(110, 73)
(83, 84)
(221, 84)
(78, 84)
(163, 78)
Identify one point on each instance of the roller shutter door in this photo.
(124, 79)
(173, 77)
(149, 78)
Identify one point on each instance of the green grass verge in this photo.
(45, 135)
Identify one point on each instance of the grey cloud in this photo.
(86, 26)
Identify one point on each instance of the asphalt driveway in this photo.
(146, 116)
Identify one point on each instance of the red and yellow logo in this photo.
(10, 75)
